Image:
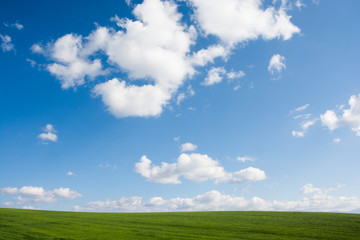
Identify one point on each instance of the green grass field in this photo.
(32, 224)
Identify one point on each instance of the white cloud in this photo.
(204, 56)
(297, 133)
(309, 189)
(236, 21)
(6, 44)
(36, 48)
(155, 48)
(195, 167)
(245, 158)
(237, 87)
(125, 204)
(235, 75)
(350, 117)
(155, 201)
(70, 173)
(276, 64)
(299, 4)
(180, 98)
(16, 25)
(305, 125)
(66, 193)
(29, 207)
(38, 194)
(128, 2)
(319, 201)
(302, 116)
(215, 75)
(72, 65)
(183, 95)
(337, 140)
(8, 204)
(107, 165)
(49, 134)
(188, 147)
(32, 62)
(124, 100)
(9, 190)
(300, 109)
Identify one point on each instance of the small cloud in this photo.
(107, 165)
(337, 140)
(70, 173)
(215, 75)
(36, 48)
(190, 91)
(6, 44)
(8, 204)
(180, 98)
(177, 139)
(237, 87)
(188, 147)
(235, 75)
(297, 134)
(32, 62)
(49, 134)
(309, 123)
(129, 3)
(299, 4)
(245, 158)
(252, 85)
(29, 207)
(302, 116)
(16, 25)
(276, 65)
(301, 108)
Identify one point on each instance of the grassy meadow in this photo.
(34, 224)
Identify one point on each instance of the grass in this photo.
(33, 224)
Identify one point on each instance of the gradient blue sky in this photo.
(265, 95)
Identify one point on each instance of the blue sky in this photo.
(180, 105)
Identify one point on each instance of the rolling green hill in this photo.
(33, 224)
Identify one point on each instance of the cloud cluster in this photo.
(38, 194)
(49, 134)
(194, 167)
(319, 201)
(154, 50)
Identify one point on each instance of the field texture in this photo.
(32, 224)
